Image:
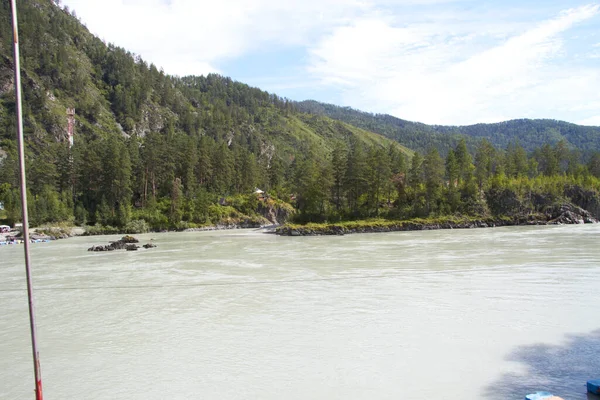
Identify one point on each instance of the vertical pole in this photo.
(21, 144)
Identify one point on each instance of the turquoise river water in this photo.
(452, 314)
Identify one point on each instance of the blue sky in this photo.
(433, 61)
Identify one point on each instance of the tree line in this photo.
(358, 182)
(176, 181)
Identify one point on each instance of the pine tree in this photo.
(464, 161)
(339, 162)
(548, 163)
(516, 160)
(593, 164)
(379, 177)
(484, 162)
(355, 177)
(415, 174)
(224, 168)
(433, 169)
(176, 211)
(204, 166)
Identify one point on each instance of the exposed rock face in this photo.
(153, 119)
(585, 199)
(276, 215)
(570, 214)
(7, 75)
(577, 206)
(7, 84)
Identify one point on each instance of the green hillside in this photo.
(148, 145)
(116, 92)
(530, 134)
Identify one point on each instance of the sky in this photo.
(451, 62)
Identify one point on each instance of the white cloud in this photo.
(592, 121)
(436, 73)
(191, 37)
(442, 64)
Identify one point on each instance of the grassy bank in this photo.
(443, 222)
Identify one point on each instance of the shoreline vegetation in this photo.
(565, 214)
(346, 227)
(420, 224)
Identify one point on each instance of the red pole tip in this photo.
(38, 391)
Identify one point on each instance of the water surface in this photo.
(462, 314)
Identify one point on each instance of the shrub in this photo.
(101, 230)
(137, 226)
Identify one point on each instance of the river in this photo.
(454, 314)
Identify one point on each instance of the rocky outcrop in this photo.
(127, 243)
(129, 239)
(100, 248)
(54, 232)
(153, 119)
(41, 237)
(274, 213)
(575, 205)
(570, 214)
(586, 199)
(7, 76)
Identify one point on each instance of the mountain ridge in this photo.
(530, 133)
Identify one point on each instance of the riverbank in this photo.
(41, 234)
(45, 234)
(566, 215)
(97, 231)
(557, 215)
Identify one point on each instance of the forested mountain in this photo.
(530, 134)
(414, 135)
(142, 136)
(152, 150)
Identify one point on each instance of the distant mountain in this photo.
(531, 134)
